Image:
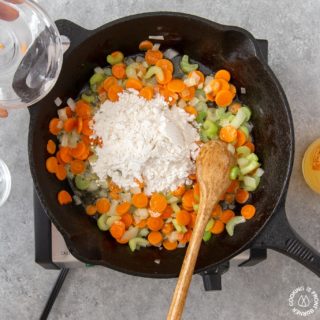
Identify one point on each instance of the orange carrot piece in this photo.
(139, 183)
(155, 238)
(250, 145)
(158, 202)
(108, 82)
(142, 224)
(154, 224)
(119, 70)
(196, 190)
(223, 98)
(183, 217)
(117, 229)
(223, 74)
(54, 126)
(86, 130)
(140, 200)
(60, 161)
(113, 92)
(127, 219)
(133, 83)
(79, 125)
(61, 172)
(167, 213)
(228, 134)
(198, 73)
(114, 195)
(123, 208)
(51, 147)
(52, 164)
(64, 197)
(227, 215)
(91, 210)
(218, 227)
(167, 76)
(233, 90)
(168, 245)
(191, 110)
(147, 93)
(167, 228)
(78, 151)
(186, 237)
(145, 45)
(77, 166)
(69, 124)
(233, 187)
(242, 196)
(176, 85)
(179, 191)
(69, 112)
(188, 93)
(65, 154)
(234, 107)
(248, 211)
(193, 217)
(165, 64)
(217, 211)
(103, 205)
(188, 199)
(241, 138)
(152, 56)
(83, 109)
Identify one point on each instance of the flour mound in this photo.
(146, 140)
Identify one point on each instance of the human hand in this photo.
(9, 14)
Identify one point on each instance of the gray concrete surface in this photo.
(293, 31)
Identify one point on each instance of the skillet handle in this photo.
(280, 236)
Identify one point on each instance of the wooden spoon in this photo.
(213, 169)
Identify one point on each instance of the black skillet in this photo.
(217, 47)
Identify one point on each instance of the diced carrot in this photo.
(61, 172)
(234, 185)
(85, 155)
(114, 195)
(113, 92)
(223, 74)
(142, 224)
(147, 93)
(228, 134)
(78, 151)
(167, 213)
(77, 166)
(165, 64)
(217, 211)
(241, 138)
(155, 238)
(152, 56)
(192, 176)
(179, 191)
(64, 197)
(176, 85)
(191, 110)
(242, 196)
(133, 83)
(229, 198)
(85, 139)
(223, 98)
(233, 90)
(188, 199)
(108, 82)
(196, 190)
(54, 126)
(123, 208)
(60, 161)
(224, 85)
(188, 93)
(167, 228)
(170, 245)
(69, 124)
(193, 217)
(117, 229)
(51, 147)
(127, 219)
(186, 237)
(227, 215)
(52, 164)
(69, 112)
(83, 109)
(215, 86)
(234, 107)
(91, 210)
(114, 187)
(103, 205)
(145, 45)
(140, 200)
(248, 211)
(158, 202)
(198, 73)
(86, 130)
(154, 224)
(167, 76)
(183, 217)
(139, 183)
(250, 145)
(79, 125)
(119, 70)
(218, 227)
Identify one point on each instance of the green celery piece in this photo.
(232, 223)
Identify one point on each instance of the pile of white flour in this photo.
(146, 140)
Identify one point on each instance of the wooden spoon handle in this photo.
(190, 259)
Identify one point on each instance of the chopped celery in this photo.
(107, 71)
(131, 70)
(178, 227)
(247, 112)
(81, 183)
(209, 225)
(115, 58)
(102, 222)
(154, 70)
(201, 106)
(250, 167)
(232, 223)
(239, 118)
(173, 199)
(242, 162)
(201, 116)
(96, 78)
(211, 114)
(175, 207)
(252, 157)
(195, 207)
(144, 232)
(201, 95)
(245, 130)
(136, 243)
(259, 173)
(206, 236)
(234, 173)
(244, 151)
(210, 129)
(186, 66)
(250, 183)
(203, 136)
(220, 112)
(87, 98)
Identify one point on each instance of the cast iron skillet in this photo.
(216, 46)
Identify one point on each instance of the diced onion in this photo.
(98, 70)
(231, 148)
(157, 261)
(60, 124)
(154, 214)
(156, 37)
(194, 101)
(208, 80)
(65, 140)
(190, 82)
(62, 114)
(145, 64)
(182, 104)
(77, 200)
(58, 102)
(200, 86)
(170, 53)
(259, 172)
(71, 104)
(243, 90)
(207, 89)
(156, 47)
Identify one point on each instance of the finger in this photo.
(3, 113)
(7, 12)
(15, 1)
